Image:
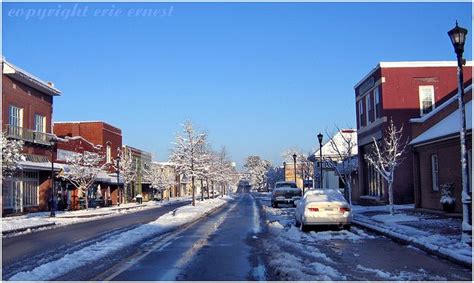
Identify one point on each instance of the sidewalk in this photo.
(38, 220)
(433, 233)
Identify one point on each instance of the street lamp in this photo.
(118, 181)
(52, 141)
(284, 170)
(320, 139)
(294, 165)
(458, 38)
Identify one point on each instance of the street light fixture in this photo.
(320, 139)
(458, 38)
(294, 165)
(284, 170)
(118, 181)
(52, 141)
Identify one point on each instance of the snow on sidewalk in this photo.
(13, 224)
(94, 252)
(429, 232)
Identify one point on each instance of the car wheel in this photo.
(273, 204)
(347, 227)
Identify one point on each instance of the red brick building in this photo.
(27, 110)
(93, 136)
(398, 91)
(436, 152)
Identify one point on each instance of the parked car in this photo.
(285, 192)
(323, 207)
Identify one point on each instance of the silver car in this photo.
(285, 193)
(323, 207)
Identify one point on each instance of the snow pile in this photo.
(332, 235)
(402, 276)
(94, 252)
(387, 218)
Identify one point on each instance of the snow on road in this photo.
(32, 220)
(98, 250)
(333, 255)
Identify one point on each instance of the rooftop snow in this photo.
(446, 127)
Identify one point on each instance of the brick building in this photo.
(398, 91)
(436, 152)
(27, 110)
(86, 136)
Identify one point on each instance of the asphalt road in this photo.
(219, 247)
(26, 251)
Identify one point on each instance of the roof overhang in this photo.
(28, 79)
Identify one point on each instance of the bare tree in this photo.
(128, 168)
(11, 156)
(160, 179)
(387, 157)
(344, 145)
(82, 170)
(187, 154)
(256, 169)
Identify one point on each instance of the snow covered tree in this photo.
(11, 156)
(227, 175)
(386, 157)
(344, 145)
(273, 175)
(187, 154)
(127, 167)
(160, 179)
(256, 169)
(82, 170)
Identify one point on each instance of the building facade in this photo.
(141, 160)
(397, 91)
(27, 110)
(436, 153)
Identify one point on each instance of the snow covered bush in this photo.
(447, 197)
(11, 156)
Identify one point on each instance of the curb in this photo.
(406, 240)
(26, 228)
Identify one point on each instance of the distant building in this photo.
(27, 110)
(141, 159)
(436, 152)
(399, 91)
(331, 179)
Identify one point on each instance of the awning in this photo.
(41, 166)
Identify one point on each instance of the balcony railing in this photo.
(28, 135)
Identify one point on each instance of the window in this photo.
(368, 105)
(434, 172)
(426, 94)
(376, 103)
(361, 113)
(40, 123)
(108, 154)
(30, 189)
(15, 116)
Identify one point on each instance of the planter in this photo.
(449, 206)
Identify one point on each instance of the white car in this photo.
(323, 207)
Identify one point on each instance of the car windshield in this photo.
(289, 184)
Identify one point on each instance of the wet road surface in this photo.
(218, 247)
(26, 251)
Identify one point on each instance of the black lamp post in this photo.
(294, 165)
(320, 139)
(458, 38)
(118, 181)
(284, 170)
(52, 141)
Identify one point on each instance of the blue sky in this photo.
(258, 77)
